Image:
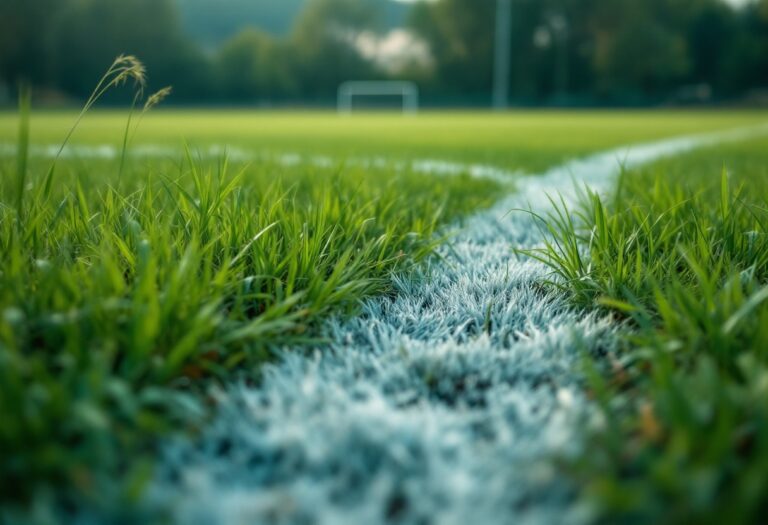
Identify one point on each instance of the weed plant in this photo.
(680, 254)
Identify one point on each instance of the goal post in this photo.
(407, 91)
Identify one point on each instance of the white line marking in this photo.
(426, 166)
(442, 405)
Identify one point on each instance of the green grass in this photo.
(531, 141)
(122, 298)
(680, 252)
(129, 286)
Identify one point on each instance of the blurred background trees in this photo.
(254, 64)
(323, 45)
(564, 52)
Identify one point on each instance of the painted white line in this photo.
(442, 405)
(426, 166)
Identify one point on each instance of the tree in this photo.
(710, 29)
(460, 35)
(637, 52)
(746, 66)
(25, 39)
(551, 47)
(254, 66)
(323, 43)
(615, 51)
(213, 23)
(91, 33)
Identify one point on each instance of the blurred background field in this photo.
(524, 140)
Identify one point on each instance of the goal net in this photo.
(407, 92)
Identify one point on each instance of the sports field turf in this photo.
(126, 291)
(678, 251)
(531, 141)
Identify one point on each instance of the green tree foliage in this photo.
(254, 65)
(590, 51)
(635, 49)
(25, 43)
(747, 63)
(214, 22)
(310, 63)
(614, 50)
(92, 32)
(322, 43)
(461, 38)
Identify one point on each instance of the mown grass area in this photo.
(124, 296)
(128, 286)
(680, 252)
(527, 140)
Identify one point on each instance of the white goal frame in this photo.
(408, 91)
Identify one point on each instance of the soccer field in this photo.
(336, 275)
(383, 262)
(529, 141)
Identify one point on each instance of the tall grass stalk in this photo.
(22, 152)
(123, 69)
(128, 133)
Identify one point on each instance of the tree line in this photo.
(563, 51)
(614, 51)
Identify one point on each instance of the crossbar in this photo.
(358, 88)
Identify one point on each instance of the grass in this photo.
(680, 253)
(532, 141)
(129, 286)
(109, 299)
(127, 289)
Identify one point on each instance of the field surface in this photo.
(305, 318)
(678, 250)
(529, 141)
